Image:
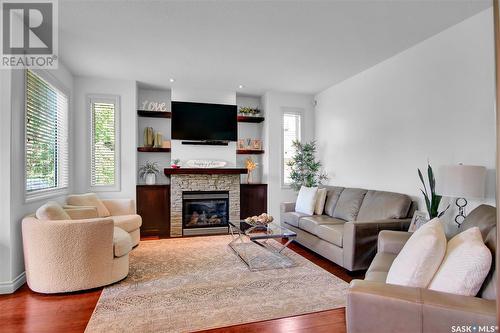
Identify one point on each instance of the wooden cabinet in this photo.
(153, 204)
(253, 199)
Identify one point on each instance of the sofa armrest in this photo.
(406, 309)
(390, 241)
(286, 207)
(120, 206)
(81, 212)
(360, 240)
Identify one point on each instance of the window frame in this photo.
(292, 111)
(106, 98)
(61, 190)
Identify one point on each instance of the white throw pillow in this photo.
(51, 211)
(420, 258)
(465, 265)
(306, 200)
(320, 201)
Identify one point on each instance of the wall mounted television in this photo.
(204, 122)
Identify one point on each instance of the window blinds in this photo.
(291, 132)
(103, 148)
(46, 130)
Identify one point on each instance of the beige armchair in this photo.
(121, 211)
(77, 254)
(374, 306)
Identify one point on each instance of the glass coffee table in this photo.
(251, 243)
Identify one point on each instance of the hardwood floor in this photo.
(27, 311)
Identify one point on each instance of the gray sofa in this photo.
(346, 233)
(391, 308)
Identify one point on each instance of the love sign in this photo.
(154, 106)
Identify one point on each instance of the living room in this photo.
(239, 166)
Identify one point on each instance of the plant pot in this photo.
(150, 179)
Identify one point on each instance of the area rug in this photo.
(190, 284)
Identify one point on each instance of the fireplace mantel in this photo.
(204, 171)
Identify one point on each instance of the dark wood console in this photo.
(153, 204)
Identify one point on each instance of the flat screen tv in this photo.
(204, 122)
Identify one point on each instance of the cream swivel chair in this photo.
(73, 250)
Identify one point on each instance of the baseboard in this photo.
(11, 286)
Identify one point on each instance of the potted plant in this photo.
(148, 172)
(432, 200)
(305, 170)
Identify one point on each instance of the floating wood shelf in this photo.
(249, 152)
(153, 150)
(154, 114)
(205, 171)
(249, 119)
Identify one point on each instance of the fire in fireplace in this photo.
(205, 212)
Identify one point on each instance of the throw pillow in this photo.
(320, 201)
(306, 200)
(420, 257)
(51, 211)
(88, 199)
(465, 265)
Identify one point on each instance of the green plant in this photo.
(176, 161)
(247, 110)
(148, 168)
(304, 168)
(431, 202)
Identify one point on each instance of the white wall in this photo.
(12, 191)
(194, 152)
(434, 101)
(273, 103)
(127, 91)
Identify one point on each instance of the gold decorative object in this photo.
(158, 140)
(148, 137)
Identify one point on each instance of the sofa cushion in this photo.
(306, 200)
(380, 205)
(420, 257)
(331, 199)
(309, 223)
(376, 276)
(88, 199)
(128, 223)
(292, 218)
(382, 262)
(319, 207)
(348, 204)
(51, 211)
(332, 233)
(122, 243)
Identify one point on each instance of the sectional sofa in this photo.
(346, 233)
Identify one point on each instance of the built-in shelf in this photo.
(153, 150)
(154, 114)
(204, 171)
(250, 119)
(249, 152)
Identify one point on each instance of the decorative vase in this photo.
(150, 179)
(249, 177)
(158, 140)
(148, 137)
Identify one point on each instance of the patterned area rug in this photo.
(190, 284)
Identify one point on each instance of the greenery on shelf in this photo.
(148, 168)
(249, 111)
(433, 200)
(305, 170)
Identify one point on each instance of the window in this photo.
(46, 137)
(104, 151)
(291, 132)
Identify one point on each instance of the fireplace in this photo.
(205, 212)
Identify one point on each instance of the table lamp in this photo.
(461, 182)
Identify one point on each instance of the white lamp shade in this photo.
(462, 181)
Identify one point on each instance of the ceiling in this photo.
(295, 46)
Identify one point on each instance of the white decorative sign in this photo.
(154, 106)
(205, 164)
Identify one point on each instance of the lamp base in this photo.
(461, 203)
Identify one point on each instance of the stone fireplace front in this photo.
(202, 218)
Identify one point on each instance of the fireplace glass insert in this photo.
(205, 209)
